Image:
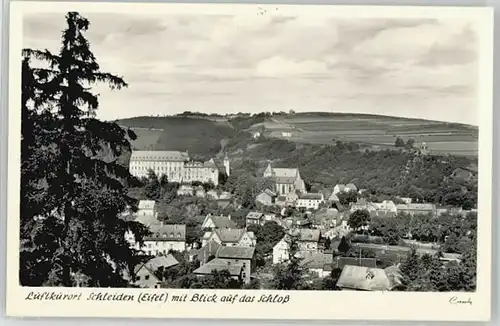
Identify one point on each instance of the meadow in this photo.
(377, 131)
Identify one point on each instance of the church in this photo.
(285, 180)
(177, 166)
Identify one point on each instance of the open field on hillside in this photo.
(377, 131)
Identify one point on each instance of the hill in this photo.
(370, 131)
(202, 137)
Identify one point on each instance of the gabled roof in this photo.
(222, 222)
(230, 235)
(341, 186)
(315, 259)
(157, 262)
(368, 279)
(220, 264)
(254, 215)
(268, 192)
(351, 187)
(167, 232)
(235, 252)
(209, 249)
(285, 173)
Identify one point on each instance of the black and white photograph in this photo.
(260, 150)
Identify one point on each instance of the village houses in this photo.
(164, 237)
(310, 200)
(307, 240)
(230, 237)
(266, 197)
(254, 218)
(339, 188)
(217, 222)
(146, 273)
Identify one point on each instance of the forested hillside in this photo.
(390, 172)
(199, 136)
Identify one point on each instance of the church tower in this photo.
(226, 164)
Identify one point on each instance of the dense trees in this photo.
(428, 274)
(359, 219)
(73, 187)
(289, 275)
(267, 235)
(454, 231)
(383, 172)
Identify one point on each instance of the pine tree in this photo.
(74, 189)
(343, 246)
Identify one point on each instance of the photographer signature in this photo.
(456, 300)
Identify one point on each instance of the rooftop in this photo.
(220, 264)
(175, 156)
(235, 252)
(167, 232)
(368, 279)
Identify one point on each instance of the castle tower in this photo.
(226, 164)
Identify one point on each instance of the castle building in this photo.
(286, 180)
(177, 166)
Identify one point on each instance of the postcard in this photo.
(244, 161)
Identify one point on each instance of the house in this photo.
(363, 204)
(165, 237)
(307, 240)
(463, 174)
(296, 222)
(360, 278)
(212, 194)
(281, 201)
(417, 209)
(225, 195)
(340, 187)
(244, 255)
(145, 273)
(310, 200)
(206, 252)
(254, 218)
(218, 222)
(406, 200)
(333, 198)
(230, 237)
(266, 197)
(269, 217)
(285, 180)
(185, 190)
(146, 212)
(200, 192)
(235, 270)
(316, 262)
(325, 218)
(386, 206)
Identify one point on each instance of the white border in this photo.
(303, 304)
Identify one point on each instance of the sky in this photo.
(417, 68)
